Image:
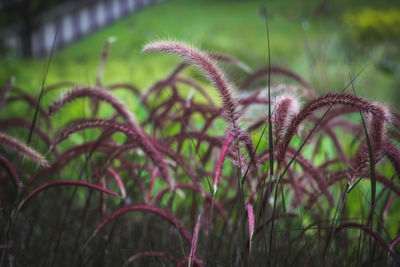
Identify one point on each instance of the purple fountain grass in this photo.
(159, 148)
(134, 170)
(393, 154)
(328, 128)
(207, 124)
(22, 123)
(193, 247)
(152, 180)
(208, 113)
(366, 229)
(173, 77)
(166, 108)
(256, 125)
(377, 124)
(200, 136)
(202, 61)
(178, 158)
(394, 135)
(231, 60)
(150, 254)
(361, 160)
(93, 93)
(299, 192)
(162, 83)
(11, 171)
(67, 157)
(275, 218)
(16, 146)
(394, 244)
(60, 85)
(228, 141)
(146, 208)
(131, 88)
(338, 176)
(219, 207)
(250, 215)
(334, 177)
(253, 99)
(196, 87)
(22, 96)
(314, 172)
(388, 205)
(100, 181)
(339, 111)
(361, 163)
(143, 141)
(307, 93)
(39, 189)
(278, 70)
(245, 139)
(308, 167)
(286, 107)
(119, 182)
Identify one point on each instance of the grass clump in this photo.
(283, 198)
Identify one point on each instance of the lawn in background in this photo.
(312, 41)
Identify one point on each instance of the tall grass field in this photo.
(208, 160)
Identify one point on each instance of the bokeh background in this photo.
(324, 41)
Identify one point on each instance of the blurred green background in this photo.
(324, 41)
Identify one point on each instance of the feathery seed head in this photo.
(200, 59)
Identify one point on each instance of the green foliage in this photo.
(375, 25)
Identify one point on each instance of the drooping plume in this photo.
(93, 93)
(286, 106)
(16, 146)
(377, 125)
(206, 64)
(222, 156)
(250, 214)
(134, 134)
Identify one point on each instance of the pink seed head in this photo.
(250, 214)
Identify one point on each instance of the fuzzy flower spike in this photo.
(201, 60)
